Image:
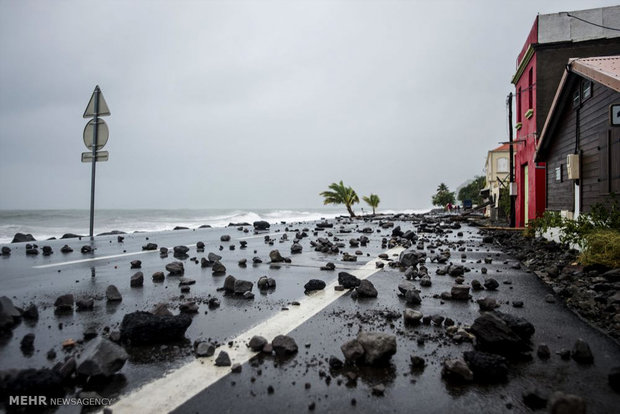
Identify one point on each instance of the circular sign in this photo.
(102, 134)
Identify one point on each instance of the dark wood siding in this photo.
(595, 134)
(560, 195)
(599, 149)
(551, 59)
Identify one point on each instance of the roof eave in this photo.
(598, 76)
(547, 127)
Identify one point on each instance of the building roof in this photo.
(566, 28)
(504, 147)
(604, 70)
(579, 25)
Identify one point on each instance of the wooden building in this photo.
(553, 39)
(579, 142)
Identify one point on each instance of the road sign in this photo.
(95, 137)
(101, 156)
(103, 109)
(102, 133)
(614, 115)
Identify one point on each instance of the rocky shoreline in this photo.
(592, 292)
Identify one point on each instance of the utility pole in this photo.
(511, 186)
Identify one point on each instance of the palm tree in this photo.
(373, 201)
(341, 195)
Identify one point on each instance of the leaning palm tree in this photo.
(373, 201)
(341, 195)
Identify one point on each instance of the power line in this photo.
(593, 24)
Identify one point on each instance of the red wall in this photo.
(526, 138)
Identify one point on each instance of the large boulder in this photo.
(32, 382)
(378, 347)
(22, 238)
(137, 280)
(9, 315)
(229, 283)
(411, 258)
(347, 280)
(64, 302)
(218, 268)
(486, 367)
(366, 289)
(213, 257)
(284, 345)
(460, 292)
(560, 403)
(257, 343)
(494, 334)
(112, 294)
(275, 256)
(352, 350)
(242, 286)
(146, 328)
(101, 357)
(413, 297)
(175, 268)
(180, 251)
(314, 284)
(296, 248)
(261, 225)
(581, 352)
(456, 369)
(521, 326)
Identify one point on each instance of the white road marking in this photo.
(258, 236)
(171, 391)
(95, 259)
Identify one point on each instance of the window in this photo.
(576, 98)
(502, 165)
(530, 88)
(586, 89)
(558, 173)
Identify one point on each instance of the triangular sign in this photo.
(103, 106)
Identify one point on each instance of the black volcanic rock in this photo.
(146, 328)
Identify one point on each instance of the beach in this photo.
(414, 263)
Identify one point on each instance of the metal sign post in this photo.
(94, 139)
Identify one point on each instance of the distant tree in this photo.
(472, 190)
(341, 194)
(373, 201)
(443, 196)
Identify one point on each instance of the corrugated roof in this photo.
(604, 70)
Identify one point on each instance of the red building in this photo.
(553, 39)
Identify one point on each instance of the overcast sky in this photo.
(257, 104)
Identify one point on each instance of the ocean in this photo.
(44, 224)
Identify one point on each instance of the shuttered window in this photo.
(614, 160)
(609, 156)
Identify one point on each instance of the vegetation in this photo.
(602, 247)
(341, 194)
(504, 201)
(596, 233)
(373, 201)
(472, 190)
(443, 196)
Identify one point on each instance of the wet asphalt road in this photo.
(318, 338)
